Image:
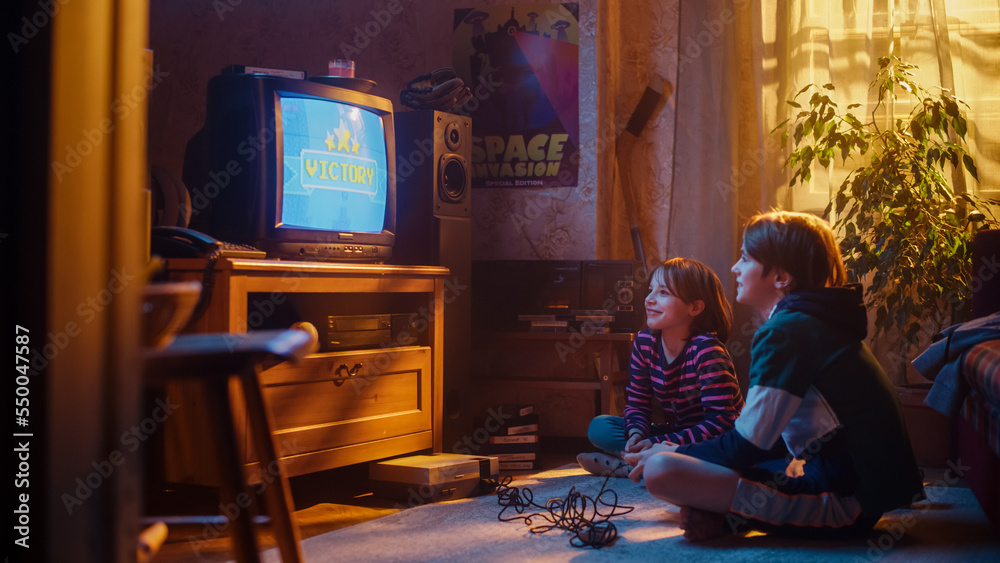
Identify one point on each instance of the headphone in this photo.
(440, 89)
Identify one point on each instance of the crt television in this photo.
(299, 169)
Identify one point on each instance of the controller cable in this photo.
(577, 513)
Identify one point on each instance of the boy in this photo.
(813, 383)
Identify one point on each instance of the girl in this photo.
(814, 383)
(678, 363)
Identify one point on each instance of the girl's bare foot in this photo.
(602, 464)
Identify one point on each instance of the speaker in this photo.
(434, 227)
(612, 285)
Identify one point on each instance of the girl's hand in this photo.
(633, 439)
(638, 445)
(638, 460)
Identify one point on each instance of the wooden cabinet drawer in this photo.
(388, 406)
(337, 400)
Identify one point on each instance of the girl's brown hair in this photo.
(690, 280)
(798, 243)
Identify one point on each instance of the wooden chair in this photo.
(217, 359)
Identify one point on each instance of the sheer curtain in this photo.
(739, 60)
(707, 161)
(955, 44)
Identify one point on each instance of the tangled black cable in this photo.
(577, 513)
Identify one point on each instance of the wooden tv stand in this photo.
(332, 408)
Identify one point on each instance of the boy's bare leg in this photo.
(704, 491)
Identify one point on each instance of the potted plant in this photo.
(905, 231)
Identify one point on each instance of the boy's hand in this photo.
(638, 459)
(795, 468)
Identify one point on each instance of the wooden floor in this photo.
(324, 502)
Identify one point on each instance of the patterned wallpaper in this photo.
(393, 41)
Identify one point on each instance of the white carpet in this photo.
(949, 526)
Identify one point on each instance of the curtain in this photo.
(637, 42)
(707, 161)
(681, 166)
(770, 50)
(955, 44)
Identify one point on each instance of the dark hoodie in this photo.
(814, 381)
(840, 307)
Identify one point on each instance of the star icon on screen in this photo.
(331, 142)
(345, 141)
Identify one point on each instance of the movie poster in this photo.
(521, 65)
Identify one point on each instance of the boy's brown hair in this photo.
(690, 280)
(802, 245)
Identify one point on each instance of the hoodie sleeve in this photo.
(729, 450)
(773, 398)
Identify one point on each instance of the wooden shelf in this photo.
(390, 405)
(555, 361)
(599, 336)
(283, 267)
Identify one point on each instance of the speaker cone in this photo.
(452, 185)
(452, 136)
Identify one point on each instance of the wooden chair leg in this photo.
(233, 493)
(277, 491)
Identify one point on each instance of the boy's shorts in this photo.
(820, 503)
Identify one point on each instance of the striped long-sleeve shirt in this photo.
(698, 391)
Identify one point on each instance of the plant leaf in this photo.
(880, 315)
(903, 230)
(950, 107)
(960, 126)
(970, 166)
(779, 126)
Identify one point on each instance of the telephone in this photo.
(179, 242)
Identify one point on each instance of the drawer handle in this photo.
(342, 373)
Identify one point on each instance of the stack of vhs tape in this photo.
(542, 323)
(515, 443)
(589, 321)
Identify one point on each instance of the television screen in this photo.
(334, 166)
(299, 169)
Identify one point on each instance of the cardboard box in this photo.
(420, 479)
